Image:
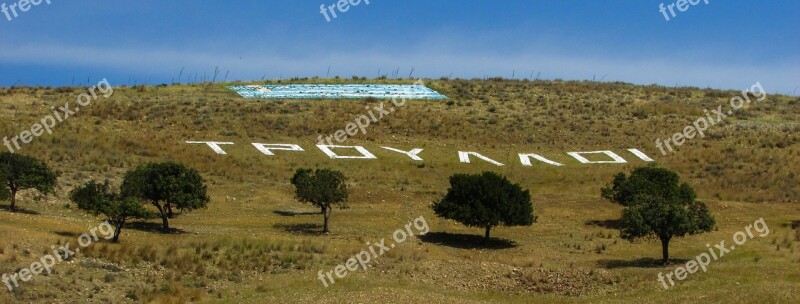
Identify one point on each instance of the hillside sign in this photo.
(361, 153)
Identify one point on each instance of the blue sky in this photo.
(723, 44)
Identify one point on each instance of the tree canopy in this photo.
(166, 186)
(97, 199)
(657, 206)
(19, 172)
(4, 193)
(485, 200)
(323, 188)
(649, 180)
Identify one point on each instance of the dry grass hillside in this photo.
(256, 244)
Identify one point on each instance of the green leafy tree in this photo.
(323, 188)
(485, 200)
(20, 172)
(657, 206)
(97, 199)
(166, 186)
(4, 193)
(650, 180)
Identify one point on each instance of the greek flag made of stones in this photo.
(400, 91)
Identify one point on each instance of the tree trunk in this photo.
(117, 232)
(165, 223)
(13, 200)
(164, 218)
(486, 237)
(326, 213)
(169, 211)
(665, 250)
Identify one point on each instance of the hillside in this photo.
(256, 244)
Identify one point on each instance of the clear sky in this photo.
(722, 44)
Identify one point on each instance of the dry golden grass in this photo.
(248, 248)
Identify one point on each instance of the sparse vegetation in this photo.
(98, 199)
(485, 200)
(324, 188)
(658, 205)
(166, 186)
(19, 172)
(256, 244)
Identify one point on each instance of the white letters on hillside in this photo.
(525, 159)
(616, 158)
(364, 153)
(464, 158)
(267, 148)
(214, 145)
(414, 153)
(609, 157)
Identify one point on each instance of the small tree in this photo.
(650, 180)
(97, 199)
(166, 186)
(658, 206)
(323, 188)
(485, 200)
(20, 172)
